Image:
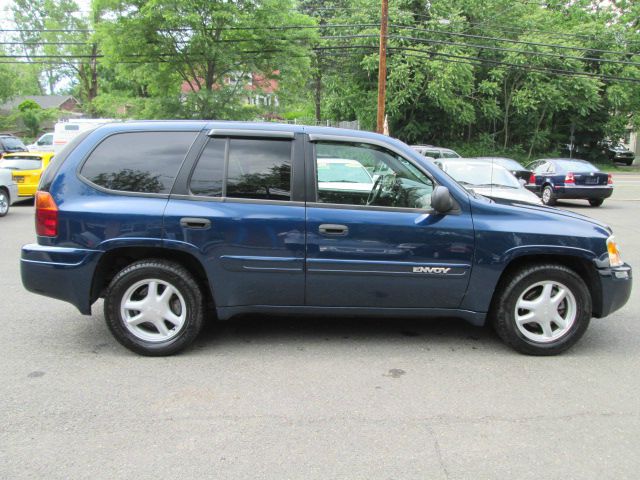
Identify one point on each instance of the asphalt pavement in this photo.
(327, 398)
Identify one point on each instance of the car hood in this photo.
(566, 214)
(512, 194)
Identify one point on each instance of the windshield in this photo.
(21, 163)
(348, 171)
(480, 174)
(12, 143)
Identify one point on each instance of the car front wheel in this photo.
(154, 307)
(542, 309)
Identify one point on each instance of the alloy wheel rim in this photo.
(153, 310)
(4, 203)
(546, 195)
(545, 311)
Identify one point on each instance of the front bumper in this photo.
(62, 273)
(615, 283)
(582, 191)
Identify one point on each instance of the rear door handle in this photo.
(334, 230)
(190, 222)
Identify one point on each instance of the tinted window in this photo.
(146, 162)
(450, 154)
(259, 168)
(209, 172)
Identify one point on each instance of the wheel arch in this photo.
(114, 260)
(578, 263)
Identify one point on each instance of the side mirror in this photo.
(441, 200)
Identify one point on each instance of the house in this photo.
(258, 89)
(66, 103)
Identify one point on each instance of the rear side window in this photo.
(141, 162)
(255, 168)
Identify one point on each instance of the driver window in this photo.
(362, 174)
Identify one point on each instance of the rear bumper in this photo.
(583, 192)
(27, 190)
(62, 273)
(616, 284)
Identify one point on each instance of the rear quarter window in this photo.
(139, 162)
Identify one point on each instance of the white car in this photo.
(340, 177)
(487, 179)
(43, 144)
(8, 191)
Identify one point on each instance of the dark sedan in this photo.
(557, 178)
(518, 171)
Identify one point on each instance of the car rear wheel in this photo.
(542, 309)
(548, 197)
(4, 202)
(154, 307)
(596, 202)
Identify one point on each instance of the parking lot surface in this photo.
(324, 398)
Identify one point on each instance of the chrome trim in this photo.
(237, 132)
(204, 198)
(584, 186)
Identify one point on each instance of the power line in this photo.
(522, 42)
(510, 50)
(283, 27)
(370, 48)
(345, 37)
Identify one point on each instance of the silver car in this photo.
(8, 191)
(487, 179)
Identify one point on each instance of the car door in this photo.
(238, 207)
(386, 249)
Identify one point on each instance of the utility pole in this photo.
(382, 66)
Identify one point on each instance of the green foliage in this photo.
(31, 116)
(495, 75)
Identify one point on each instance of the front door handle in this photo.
(333, 230)
(190, 222)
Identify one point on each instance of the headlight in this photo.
(615, 259)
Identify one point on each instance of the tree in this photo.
(204, 50)
(31, 115)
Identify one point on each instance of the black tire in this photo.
(596, 202)
(503, 310)
(5, 202)
(550, 197)
(174, 275)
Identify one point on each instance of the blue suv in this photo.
(175, 222)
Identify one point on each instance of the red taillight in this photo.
(532, 179)
(610, 180)
(46, 215)
(569, 178)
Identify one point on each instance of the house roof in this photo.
(45, 101)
